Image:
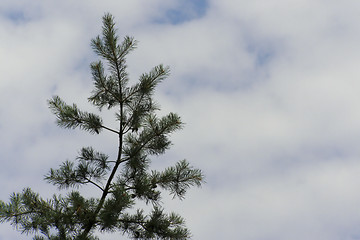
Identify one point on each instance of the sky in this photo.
(269, 91)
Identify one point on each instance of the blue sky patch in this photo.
(263, 54)
(186, 11)
(21, 15)
(16, 16)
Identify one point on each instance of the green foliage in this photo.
(157, 225)
(71, 117)
(141, 133)
(178, 179)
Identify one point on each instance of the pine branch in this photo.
(149, 81)
(97, 158)
(105, 92)
(157, 225)
(70, 176)
(71, 117)
(179, 178)
(138, 99)
(153, 138)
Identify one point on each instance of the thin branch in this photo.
(94, 183)
(111, 161)
(111, 130)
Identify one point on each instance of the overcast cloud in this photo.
(269, 91)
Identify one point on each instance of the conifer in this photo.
(142, 135)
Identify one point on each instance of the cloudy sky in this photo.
(269, 91)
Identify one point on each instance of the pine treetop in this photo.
(141, 134)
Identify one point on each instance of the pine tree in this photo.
(142, 135)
